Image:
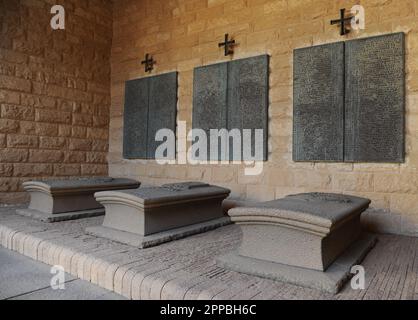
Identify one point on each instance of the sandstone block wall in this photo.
(54, 92)
(183, 34)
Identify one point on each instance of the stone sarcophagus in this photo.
(311, 239)
(147, 217)
(59, 200)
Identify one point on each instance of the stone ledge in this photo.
(156, 239)
(50, 218)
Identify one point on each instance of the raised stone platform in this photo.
(60, 200)
(308, 239)
(186, 269)
(150, 216)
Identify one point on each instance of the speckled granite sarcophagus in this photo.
(308, 239)
(146, 217)
(59, 200)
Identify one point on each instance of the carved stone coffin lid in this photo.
(318, 213)
(80, 185)
(165, 195)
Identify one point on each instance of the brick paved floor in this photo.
(186, 269)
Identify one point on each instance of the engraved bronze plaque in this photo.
(233, 95)
(210, 101)
(162, 108)
(150, 105)
(248, 102)
(375, 99)
(318, 119)
(135, 130)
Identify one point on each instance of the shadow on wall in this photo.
(382, 221)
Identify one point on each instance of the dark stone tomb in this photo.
(60, 200)
(311, 239)
(149, 216)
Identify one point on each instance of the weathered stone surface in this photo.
(318, 119)
(158, 238)
(375, 99)
(330, 281)
(190, 263)
(308, 222)
(150, 105)
(149, 216)
(51, 218)
(248, 100)
(58, 200)
(309, 231)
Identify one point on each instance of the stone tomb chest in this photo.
(59, 200)
(146, 217)
(311, 240)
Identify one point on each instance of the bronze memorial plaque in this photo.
(150, 105)
(375, 99)
(233, 95)
(318, 115)
(349, 101)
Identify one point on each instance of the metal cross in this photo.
(228, 44)
(342, 21)
(148, 62)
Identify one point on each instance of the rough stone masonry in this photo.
(54, 92)
(61, 106)
(183, 36)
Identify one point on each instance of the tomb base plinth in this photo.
(51, 218)
(330, 281)
(61, 200)
(147, 217)
(143, 242)
(302, 232)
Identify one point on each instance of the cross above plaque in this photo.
(342, 21)
(148, 62)
(227, 44)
